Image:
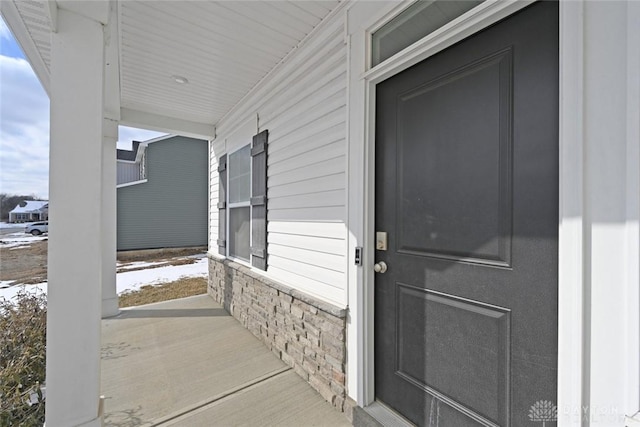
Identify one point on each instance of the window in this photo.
(243, 203)
(414, 23)
(239, 176)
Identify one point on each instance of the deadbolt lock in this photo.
(381, 240)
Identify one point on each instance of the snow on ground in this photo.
(5, 283)
(20, 239)
(129, 280)
(133, 280)
(11, 292)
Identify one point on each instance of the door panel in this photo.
(438, 112)
(467, 190)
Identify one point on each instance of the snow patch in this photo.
(127, 281)
(133, 280)
(19, 239)
(10, 293)
(6, 283)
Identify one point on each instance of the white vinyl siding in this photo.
(128, 172)
(303, 105)
(169, 209)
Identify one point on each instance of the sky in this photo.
(24, 124)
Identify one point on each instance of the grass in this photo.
(150, 255)
(167, 291)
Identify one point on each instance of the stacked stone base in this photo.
(306, 334)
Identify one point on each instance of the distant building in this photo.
(30, 210)
(162, 194)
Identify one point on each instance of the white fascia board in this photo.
(52, 10)
(112, 66)
(143, 145)
(156, 139)
(97, 10)
(141, 148)
(19, 29)
(161, 123)
(129, 184)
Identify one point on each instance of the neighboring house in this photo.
(30, 210)
(131, 164)
(162, 194)
(424, 208)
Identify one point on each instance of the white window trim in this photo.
(572, 263)
(239, 205)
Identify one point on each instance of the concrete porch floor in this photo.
(187, 362)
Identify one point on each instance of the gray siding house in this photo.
(162, 194)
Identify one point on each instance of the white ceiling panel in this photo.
(223, 49)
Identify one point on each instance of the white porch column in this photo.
(109, 212)
(611, 165)
(76, 216)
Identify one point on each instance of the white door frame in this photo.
(362, 19)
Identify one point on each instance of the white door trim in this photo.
(571, 299)
(361, 179)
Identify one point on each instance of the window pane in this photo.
(419, 20)
(240, 175)
(239, 232)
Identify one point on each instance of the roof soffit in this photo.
(222, 48)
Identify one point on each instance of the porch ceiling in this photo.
(223, 49)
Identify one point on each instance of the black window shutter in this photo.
(222, 205)
(259, 200)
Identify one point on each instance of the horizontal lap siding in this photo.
(307, 175)
(128, 172)
(170, 209)
(303, 106)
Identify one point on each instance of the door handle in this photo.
(380, 267)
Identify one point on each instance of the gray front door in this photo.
(467, 191)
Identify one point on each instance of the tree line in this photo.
(10, 201)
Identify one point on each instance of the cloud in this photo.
(24, 130)
(24, 124)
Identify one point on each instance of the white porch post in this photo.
(610, 233)
(76, 234)
(109, 196)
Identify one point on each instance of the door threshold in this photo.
(387, 416)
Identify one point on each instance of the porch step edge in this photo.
(385, 416)
(187, 409)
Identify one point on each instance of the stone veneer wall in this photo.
(305, 333)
